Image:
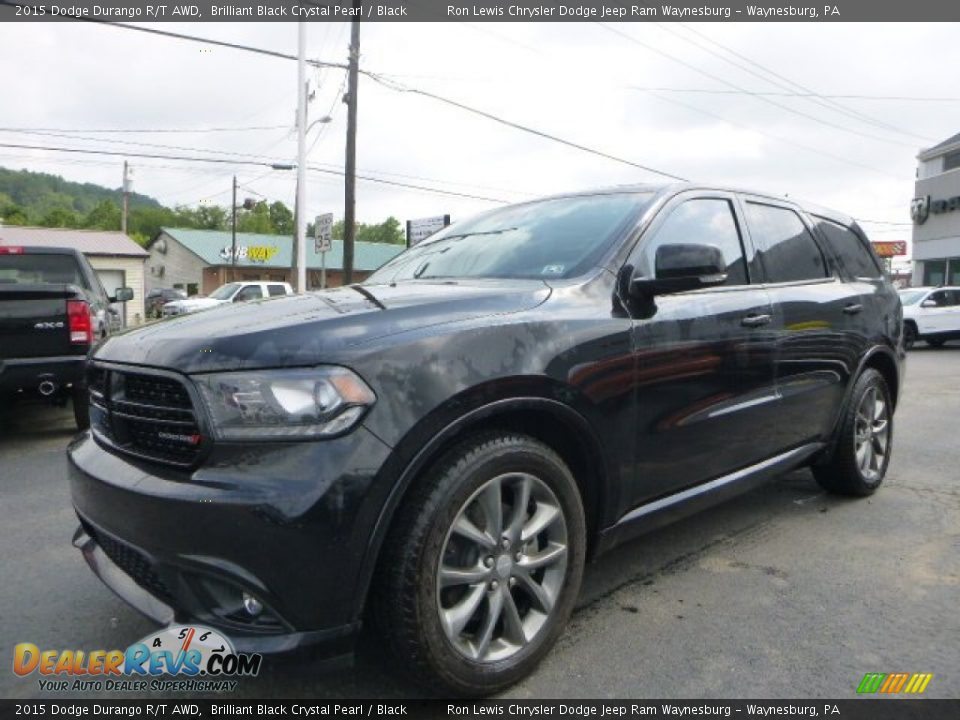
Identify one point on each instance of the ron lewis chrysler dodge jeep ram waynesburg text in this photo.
(435, 453)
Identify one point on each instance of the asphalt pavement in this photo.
(784, 592)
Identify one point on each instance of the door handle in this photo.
(755, 320)
(853, 308)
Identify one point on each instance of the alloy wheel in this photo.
(872, 434)
(502, 567)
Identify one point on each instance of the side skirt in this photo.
(671, 508)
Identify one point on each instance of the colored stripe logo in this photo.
(893, 683)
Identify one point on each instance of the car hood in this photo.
(308, 329)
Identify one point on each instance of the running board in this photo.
(670, 508)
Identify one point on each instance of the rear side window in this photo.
(785, 246)
(703, 221)
(40, 269)
(275, 290)
(854, 255)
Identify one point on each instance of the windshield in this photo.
(545, 239)
(224, 292)
(911, 297)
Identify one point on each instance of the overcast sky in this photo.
(578, 81)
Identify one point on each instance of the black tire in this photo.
(935, 343)
(909, 335)
(843, 472)
(407, 597)
(81, 407)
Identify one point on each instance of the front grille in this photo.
(133, 563)
(144, 414)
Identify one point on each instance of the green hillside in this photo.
(41, 199)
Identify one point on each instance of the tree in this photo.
(105, 215)
(60, 217)
(281, 217)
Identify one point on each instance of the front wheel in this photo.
(909, 335)
(862, 451)
(482, 567)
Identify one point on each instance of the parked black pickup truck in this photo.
(52, 311)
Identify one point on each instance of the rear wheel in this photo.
(81, 407)
(935, 343)
(483, 565)
(862, 452)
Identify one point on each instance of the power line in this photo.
(717, 91)
(225, 161)
(767, 100)
(784, 82)
(757, 130)
(393, 85)
(188, 131)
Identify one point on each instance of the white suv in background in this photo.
(229, 293)
(930, 314)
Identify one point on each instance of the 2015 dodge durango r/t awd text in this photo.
(435, 453)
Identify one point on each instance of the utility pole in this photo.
(350, 169)
(233, 242)
(301, 204)
(126, 197)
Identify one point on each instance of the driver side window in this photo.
(702, 221)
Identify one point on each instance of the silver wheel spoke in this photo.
(548, 556)
(541, 519)
(465, 528)
(522, 499)
(494, 610)
(490, 501)
(455, 619)
(541, 598)
(512, 624)
(452, 576)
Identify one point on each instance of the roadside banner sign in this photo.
(323, 233)
(422, 228)
(893, 248)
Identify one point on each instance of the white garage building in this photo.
(117, 259)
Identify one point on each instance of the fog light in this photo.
(253, 606)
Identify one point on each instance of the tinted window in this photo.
(40, 269)
(943, 298)
(785, 246)
(276, 290)
(705, 221)
(250, 292)
(852, 251)
(545, 239)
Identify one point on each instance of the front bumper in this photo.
(286, 523)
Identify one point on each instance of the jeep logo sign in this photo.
(921, 207)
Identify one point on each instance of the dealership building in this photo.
(199, 261)
(936, 215)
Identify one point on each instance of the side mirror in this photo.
(681, 267)
(123, 294)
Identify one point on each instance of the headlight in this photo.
(284, 404)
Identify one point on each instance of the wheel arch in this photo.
(554, 423)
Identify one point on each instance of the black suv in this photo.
(437, 452)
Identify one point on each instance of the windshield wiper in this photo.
(479, 232)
